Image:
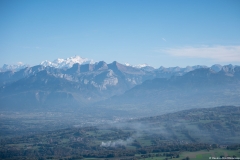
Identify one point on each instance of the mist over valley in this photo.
(119, 80)
(116, 110)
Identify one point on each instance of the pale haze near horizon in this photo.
(158, 33)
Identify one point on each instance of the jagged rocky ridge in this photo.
(81, 85)
(195, 89)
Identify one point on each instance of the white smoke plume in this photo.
(117, 143)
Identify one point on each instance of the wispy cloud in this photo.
(217, 53)
(28, 47)
(164, 39)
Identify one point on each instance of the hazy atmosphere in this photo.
(119, 79)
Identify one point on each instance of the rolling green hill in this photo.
(170, 135)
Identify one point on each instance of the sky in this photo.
(156, 32)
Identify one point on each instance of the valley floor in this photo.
(190, 134)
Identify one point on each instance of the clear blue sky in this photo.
(156, 32)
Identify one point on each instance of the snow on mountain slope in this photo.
(144, 66)
(216, 67)
(66, 63)
(13, 67)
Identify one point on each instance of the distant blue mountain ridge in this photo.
(118, 85)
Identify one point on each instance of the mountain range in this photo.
(196, 89)
(66, 63)
(61, 63)
(14, 67)
(57, 63)
(69, 62)
(62, 84)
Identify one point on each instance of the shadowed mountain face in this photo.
(79, 85)
(88, 84)
(201, 87)
(40, 90)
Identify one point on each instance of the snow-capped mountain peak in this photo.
(127, 64)
(142, 65)
(66, 63)
(138, 66)
(13, 67)
(216, 67)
